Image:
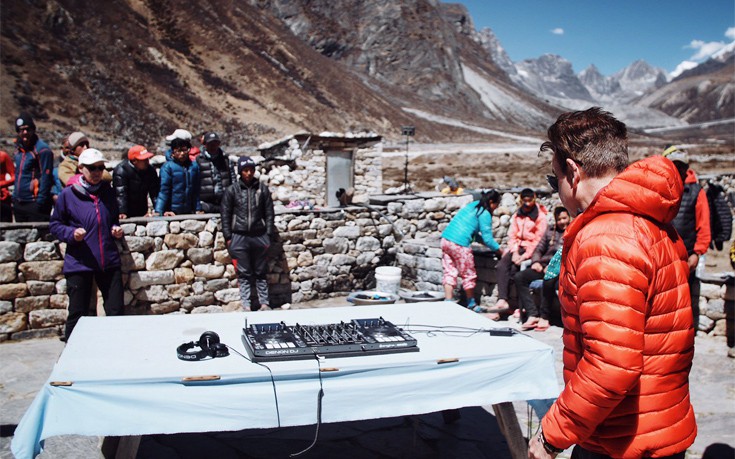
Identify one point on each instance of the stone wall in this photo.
(180, 264)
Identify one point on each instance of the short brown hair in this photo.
(592, 138)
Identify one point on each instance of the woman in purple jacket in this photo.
(86, 218)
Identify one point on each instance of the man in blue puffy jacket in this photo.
(34, 163)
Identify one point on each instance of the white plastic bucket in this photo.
(388, 279)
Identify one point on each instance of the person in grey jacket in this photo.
(248, 224)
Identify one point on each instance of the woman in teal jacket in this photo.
(457, 258)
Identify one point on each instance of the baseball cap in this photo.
(75, 138)
(139, 152)
(182, 134)
(211, 137)
(91, 156)
(243, 162)
(24, 119)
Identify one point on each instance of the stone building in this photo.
(311, 168)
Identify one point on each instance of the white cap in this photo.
(91, 156)
(182, 134)
(679, 155)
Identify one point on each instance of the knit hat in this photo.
(243, 162)
(75, 138)
(182, 134)
(139, 152)
(91, 156)
(24, 119)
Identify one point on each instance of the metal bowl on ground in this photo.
(369, 297)
(420, 296)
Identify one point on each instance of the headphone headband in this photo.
(208, 344)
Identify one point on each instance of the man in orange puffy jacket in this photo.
(628, 335)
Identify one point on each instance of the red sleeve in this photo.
(6, 167)
(704, 232)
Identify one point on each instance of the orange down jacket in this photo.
(628, 335)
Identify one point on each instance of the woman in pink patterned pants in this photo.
(457, 259)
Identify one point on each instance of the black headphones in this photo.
(209, 347)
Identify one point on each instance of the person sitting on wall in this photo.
(527, 226)
(452, 186)
(550, 243)
(248, 226)
(135, 180)
(457, 257)
(179, 192)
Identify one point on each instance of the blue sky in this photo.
(609, 34)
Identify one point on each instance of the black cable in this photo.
(451, 330)
(273, 381)
(320, 396)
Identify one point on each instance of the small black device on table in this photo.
(278, 341)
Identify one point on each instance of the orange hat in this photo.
(139, 152)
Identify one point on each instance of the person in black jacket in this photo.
(215, 173)
(135, 180)
(248, 224)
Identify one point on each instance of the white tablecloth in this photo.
(127, 380)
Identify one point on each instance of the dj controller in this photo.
(278, 341)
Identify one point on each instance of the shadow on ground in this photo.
(474, 435)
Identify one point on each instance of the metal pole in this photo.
(406, 186)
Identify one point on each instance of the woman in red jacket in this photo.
(628, 335)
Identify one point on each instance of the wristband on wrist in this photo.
(551, 449)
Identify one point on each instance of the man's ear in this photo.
(574, 173)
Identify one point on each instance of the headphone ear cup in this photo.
(208, 339)
(220, 350)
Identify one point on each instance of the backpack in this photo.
(720, 216)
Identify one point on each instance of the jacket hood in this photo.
(691, 177)
(650, 188)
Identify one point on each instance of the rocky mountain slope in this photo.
(704, 93)
(255, 70)
(133, 70)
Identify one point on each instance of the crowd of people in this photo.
(84, 205)
(621, 254)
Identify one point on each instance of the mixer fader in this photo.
(279, 341)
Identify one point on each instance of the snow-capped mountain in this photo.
(551, 76)
(638, 78)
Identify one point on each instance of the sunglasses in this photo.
(83, 144)
(553, 183)
(95, 168)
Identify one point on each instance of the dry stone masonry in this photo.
(179, 265)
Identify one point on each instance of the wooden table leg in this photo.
(508, 422)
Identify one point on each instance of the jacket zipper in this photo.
(250, 211)
(20, 171)
(95, 200)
